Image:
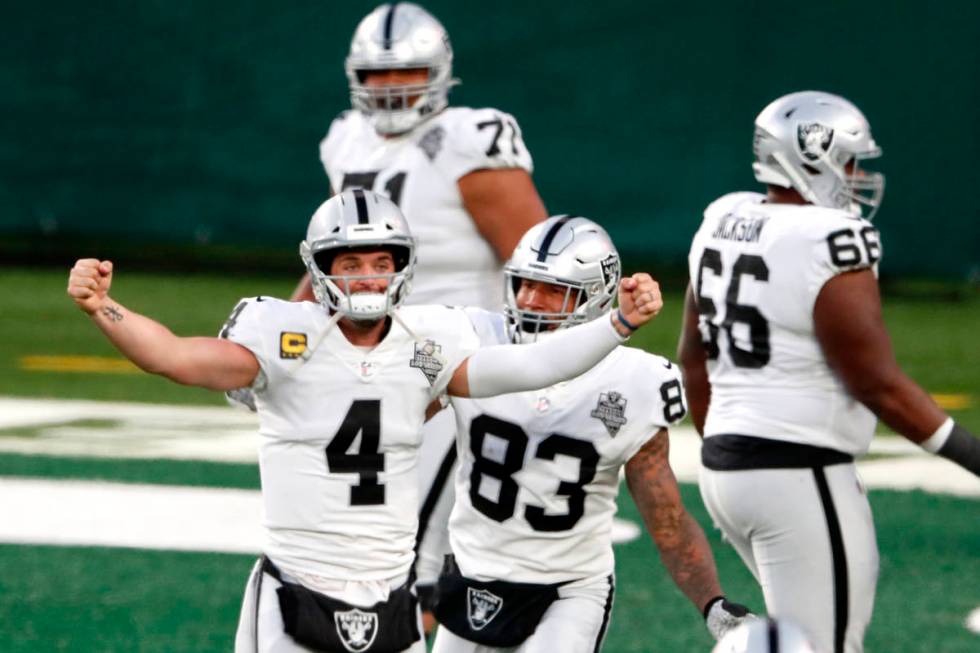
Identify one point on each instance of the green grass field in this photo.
(100, 600)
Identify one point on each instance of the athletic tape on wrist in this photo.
(935, 442)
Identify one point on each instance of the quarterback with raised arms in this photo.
(342, 386)
(539, 472)
(787, 363)
(462, 178)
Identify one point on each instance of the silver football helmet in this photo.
(569, 251)
(806, 140)
(766, 636)
(400, 35)
(358, 219)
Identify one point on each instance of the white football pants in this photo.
(575, 623)
(260, 626)
(808, 538)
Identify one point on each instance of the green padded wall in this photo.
(198, 122)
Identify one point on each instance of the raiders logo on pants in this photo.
(807, 536)
(575, 623)
(261, 628)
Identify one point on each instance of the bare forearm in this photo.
(684, 549)
(204, 362)
(685, 552)
(904, 406)
(147, 343)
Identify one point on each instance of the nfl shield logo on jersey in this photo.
(426, 358)
(814, 139)
(611, 411)
(356, 629)
(482, 607)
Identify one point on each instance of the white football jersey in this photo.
(539, 471)
(418, 170)
(339, 432)
(756, 269)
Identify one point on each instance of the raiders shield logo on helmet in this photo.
(482, 607)
(356, 629)
(611, 411)
(427, 359)
(610, 270)
(814, 139)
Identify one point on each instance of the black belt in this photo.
(730, 452)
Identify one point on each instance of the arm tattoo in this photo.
(113, 313)
(684, 549)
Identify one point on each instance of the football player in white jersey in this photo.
(461, 176)
(532, 569)
(787, 362)
(342, 387)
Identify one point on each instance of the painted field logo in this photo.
(482, 607)
(356, 629)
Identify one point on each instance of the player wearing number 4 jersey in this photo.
(539, 471)
(342, 387)
(462, 177)
(786, 363)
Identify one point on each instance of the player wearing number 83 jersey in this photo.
(539, 471)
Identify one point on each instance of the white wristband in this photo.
(935, 442)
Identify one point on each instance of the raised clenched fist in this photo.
(88, 283)
(639, 299)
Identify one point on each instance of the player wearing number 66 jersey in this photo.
(539, 471)
(786, 363)
(342, 387)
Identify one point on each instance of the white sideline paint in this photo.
(972, 622)
(91, 513)
(223, 434)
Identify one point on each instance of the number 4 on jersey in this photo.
(364, 417)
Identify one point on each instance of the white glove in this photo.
(721, 615)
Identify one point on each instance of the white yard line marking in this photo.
(95, 513)
(131, 430)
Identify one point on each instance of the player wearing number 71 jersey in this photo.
(539, 471)
(786, 362)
